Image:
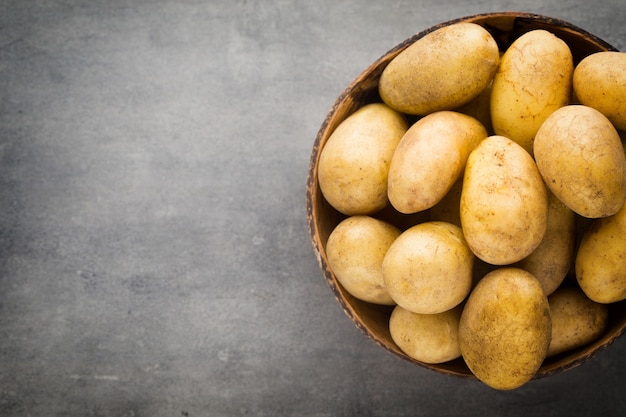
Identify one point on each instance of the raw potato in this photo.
(480, 109)
(505, 328)
(355, 250)
(428, 268)
(576, 320)
(601, 259)
(504, 202)
(600, 82)
(429, 338)
(552, 259)
(354, 163)
(533, 80)
(443, 70)
(430, 158)
(448, 210)
(581, 159)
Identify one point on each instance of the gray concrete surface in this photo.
(154, 257)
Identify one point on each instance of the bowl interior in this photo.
(373, 319)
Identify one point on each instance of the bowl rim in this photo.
(313, 195)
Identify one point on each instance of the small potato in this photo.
(581, 159)
(429, 338)
(448, 210)
(533, 80)
(504, 202)
(600, 82)
(430, 158)
(480, 109)
(576, 320)
(601, 259)
(505, 328)
(355, 250)
(443, 70)
(354, 163)
(428, 268)
(552, 259)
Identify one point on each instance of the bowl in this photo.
(371, 319)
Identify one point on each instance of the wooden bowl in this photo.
(372, 319)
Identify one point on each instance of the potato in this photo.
(429, 338)
(354, 163)
(430, 158)
(576, 320)
(581, 159)
(601, 259)
(504, 202)
(428, 268)
(552, 259)
(600, 82)
(532, 81)
(355, 250)
(480, 109)
(505, 328)
(441, 71)
(448, 210)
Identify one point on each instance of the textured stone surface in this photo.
(154, 258)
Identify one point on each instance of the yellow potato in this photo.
(552, 259)
(480, 109)
(428, 268)
(576, 320)
(600, 82)
(581, 159)
(354, 162)
(533, 80)
(505, 328)
(601, 259)
(504, 202)
(448, 210)
(441, 71)
(355, 251)
(429, 338)
(430, 158)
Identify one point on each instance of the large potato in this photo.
(552, 259)
(429, 338)
(505, 328)
(533, 80)
(430, 158)
(355, 250)
(600, 82)
(504, 202)
(441, 71)
(354, 163)
(581, 158)
(428, 268)
(576, 320)
(601, 259)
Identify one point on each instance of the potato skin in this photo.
(504, 202)
(355, 249)
(576, 320)
(428, 268)
(581, 159)
(354, 162)
(505, 328)
(552, 260)
(441, 71)
(601, 259)
(532, 81)
(430, 158)
(429, 338)
(600, 82)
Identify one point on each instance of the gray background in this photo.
(154, 256)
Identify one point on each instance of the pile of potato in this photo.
(510, 171)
